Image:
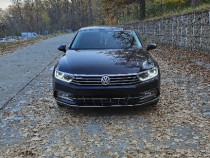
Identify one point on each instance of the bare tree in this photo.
(18, 5)
(142, 9)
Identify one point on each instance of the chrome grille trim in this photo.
(115, 79)
(102, 99)
(87, 75)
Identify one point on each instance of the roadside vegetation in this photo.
(156, 11)
(47, 16)
(179, 10)
(119, 12)
(170, 7)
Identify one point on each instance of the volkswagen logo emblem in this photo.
(105, 80)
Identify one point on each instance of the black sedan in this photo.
(106, 67)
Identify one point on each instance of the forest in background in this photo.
(49, 16)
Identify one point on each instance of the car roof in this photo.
(103, 28)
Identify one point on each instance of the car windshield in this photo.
(106, 39)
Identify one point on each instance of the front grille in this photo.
(115, 80)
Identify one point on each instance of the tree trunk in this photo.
(37, 16)
(142, 9)
(195, 3)
(90, 12)
(17, 4)
(137, 12)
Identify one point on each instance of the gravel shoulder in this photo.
(32, 125)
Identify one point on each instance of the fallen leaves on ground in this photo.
(176, 127)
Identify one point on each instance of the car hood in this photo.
(105, 61)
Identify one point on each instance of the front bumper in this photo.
(107, 96)
(108, 105)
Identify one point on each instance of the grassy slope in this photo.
(174, 13)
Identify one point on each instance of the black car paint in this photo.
(100, 62)
(104, 61)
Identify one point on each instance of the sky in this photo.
(4, 3)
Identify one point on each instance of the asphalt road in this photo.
(32, 125)
(20, 67)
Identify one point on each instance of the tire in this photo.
(155, 103)
(60, 105)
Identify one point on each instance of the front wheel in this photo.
(155, 103)
(60, 105)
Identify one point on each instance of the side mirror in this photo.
(62, 48)
(151, 46)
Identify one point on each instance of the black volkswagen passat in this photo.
(106, 66)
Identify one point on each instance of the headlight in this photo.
(146, 75)
(63, 76)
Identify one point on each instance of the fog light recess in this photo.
(148, 94)
(63, 95)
